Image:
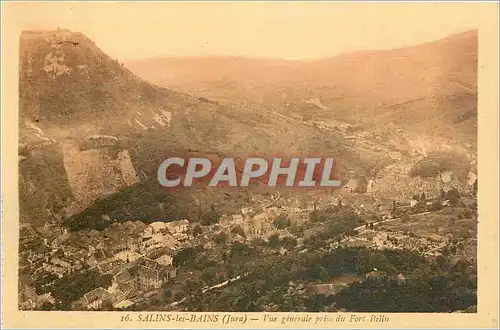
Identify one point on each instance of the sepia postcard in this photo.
(249, 165)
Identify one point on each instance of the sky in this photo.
(293, 30)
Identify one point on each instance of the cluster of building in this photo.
(262, 224)
(144, 276)
(138, 256)
(382, 239)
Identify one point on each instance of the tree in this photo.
(193, 284)
(363, 261)
(314, 242)
(405, 218)
(453, 195)
(72, 287)
(257, 241)
(199, 212)
(274, 240)
(238, 230)
(184, 256)
(474, 187)
(281, 222)
(289, 242)
(107, 306)
(442, 194)
(197, 230)
(435, 206)
(317, 216)
(441, 261)
(381, 262)
(220, 239)
(319, 273)
(42, 281)
(210, 217)
(240, 249)
(46, 306)
(207, 275)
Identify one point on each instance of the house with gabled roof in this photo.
(59, 240)
(165, 259)
(96, 298)
(158, 227)
(351, 185)
(151, 274)
(178, 229)
(123, 276)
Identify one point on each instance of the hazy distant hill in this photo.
(428, 89)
